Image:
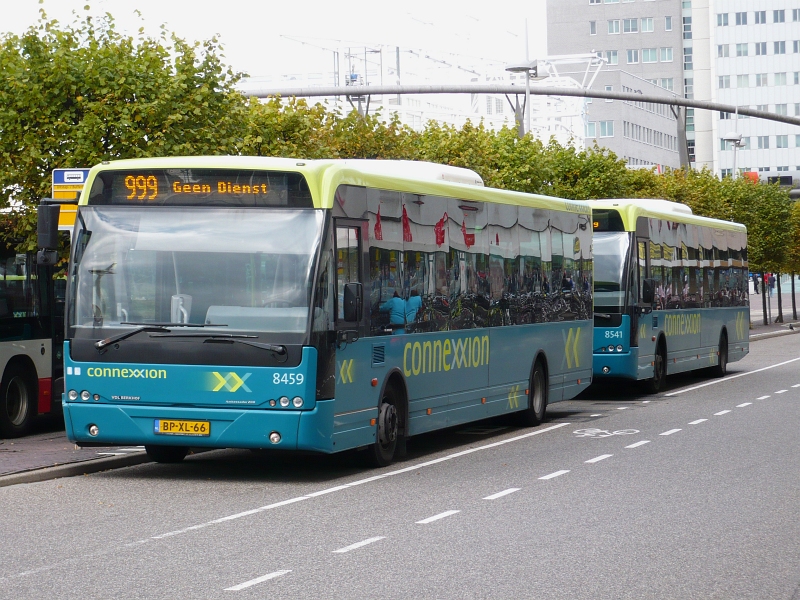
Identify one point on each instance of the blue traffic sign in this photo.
(70, 176)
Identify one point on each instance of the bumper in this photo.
(618, 364)
(134, 425)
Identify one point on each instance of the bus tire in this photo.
(656, 384)
(721, 368)
(537, 397)
(167, 454)
(18, 401)
(382, 452)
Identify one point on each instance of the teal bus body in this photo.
(698, 316)
(488, 325)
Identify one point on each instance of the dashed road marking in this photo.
(599, 458)
(595, 415)
(670, 432)
(637, 444)
(796, 385)
(446, 513)
(503, 493)
(646, 401)
(257, 580)
(357, 545)
(762, 397)
(743, 404)
(622, 408)
(556, 474)
(722, 412)
(698, 421)
(781, 391)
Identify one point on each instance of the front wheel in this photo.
(167, 454)
(18, 403)
(382, 452)
(537, 398)
(721, 368)
(656, 384)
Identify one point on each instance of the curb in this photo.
(71, 470)
(754, 337)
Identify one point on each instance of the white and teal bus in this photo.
(670, 289)
(241, 302)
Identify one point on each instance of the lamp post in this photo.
(526, 67)
(736, 141)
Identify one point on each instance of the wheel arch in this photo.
(24, 363)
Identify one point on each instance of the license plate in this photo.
(180, 427)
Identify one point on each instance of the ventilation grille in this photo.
(378, 354)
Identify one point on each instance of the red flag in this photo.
(378, 230)
(406, 227)
(438, 230)
(469, 238)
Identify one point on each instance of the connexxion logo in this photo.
(125, 373)
(229, 382)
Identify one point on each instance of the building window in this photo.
(687, 28)
(781, 109)
(592, 27)
(667, 23)
(797, 109)
(630, 25)
(796, 46)
(797, 143)
(781, 141)
(797, 77)
(761, 48)
(687, 59)
(688, 88)
(611, 1)
(613, 27)
(784, 168)
(779, 16)
(724, 81)
(741, 49)
(761, 79)
(609, 88)
(489, 105)
(647, 25)
(723, 50)
(725, 144)
(742, 81)
(724, 116)
(764, 107)
(722, 19)
(606, 128)
(594, 1)
(780, 47)
(690, 150)
(745, 145)
(796, 14)
(612, 56)
(741, 18)
(633, 57)
(689, 119)
(667, 83)
(761, 17)
(763, 142)
(780, 78)
(666, 55)
(725, 173)
(764, 169)
(591, 129)
(649, 55)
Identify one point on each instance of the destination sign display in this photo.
(201, 187)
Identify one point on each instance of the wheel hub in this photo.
(387, 424)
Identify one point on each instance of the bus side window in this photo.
(348, 250)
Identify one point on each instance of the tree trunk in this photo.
(794, 304)
(780, 305)
(764, 292)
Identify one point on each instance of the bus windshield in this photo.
(610, 257)
(226, 269)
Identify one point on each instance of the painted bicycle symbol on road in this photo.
(603, 433)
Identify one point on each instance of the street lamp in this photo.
(736, 141)
(526, 67)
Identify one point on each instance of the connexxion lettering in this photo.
(444, 355)
(682, 324)
(126, 373)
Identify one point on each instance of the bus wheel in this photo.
(167, 454)
(381, 453)
(537, 398)
(655, 384)
(18, 404)
(721, 368)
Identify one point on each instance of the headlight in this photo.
(284, 401)
(611, 348)
(72, 395)
(297, 401)
(619, 348)
(85, 395)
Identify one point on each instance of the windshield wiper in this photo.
(122, 336)
(218, 339)
(175, 324)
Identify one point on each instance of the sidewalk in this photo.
(757, 327)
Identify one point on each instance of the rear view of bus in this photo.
(671, 291)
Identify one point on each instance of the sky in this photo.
(268, 38)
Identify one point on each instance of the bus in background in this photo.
(236, 302)
(670, 291)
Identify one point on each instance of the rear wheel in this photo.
(721, 368)
(382, 452)
(167, 454)
(18, 404)
(537, 398)
(656, 384)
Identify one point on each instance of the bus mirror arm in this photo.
(345, 336)
(648, 291)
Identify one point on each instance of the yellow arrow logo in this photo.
(231, 382)
(513, 397)
(346, 371)
(642, 331)
(740, 326)
(572, 344)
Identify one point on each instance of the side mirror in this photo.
(47, 233)
(352, 302)
(648, 290)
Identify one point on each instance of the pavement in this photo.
(47, 454)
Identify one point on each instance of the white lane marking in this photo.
(670, 432)
(447, 513)
(503, 493)
(622, 408)
(796, 385)
(637, 444)
(327, 491)
(722, 412)
(595, 415)
(743, 404)
(702, 385)
(357, 545)
(781, 391)
(257, 580)
(646, 401)
(599, 458)
(556, 474)
(698, 421)
(762, 397)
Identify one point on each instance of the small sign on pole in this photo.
(68, 185)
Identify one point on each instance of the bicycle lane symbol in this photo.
(602, 433)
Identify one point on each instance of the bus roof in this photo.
(324, 176)
(632, 208)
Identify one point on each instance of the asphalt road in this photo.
(693, 493)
